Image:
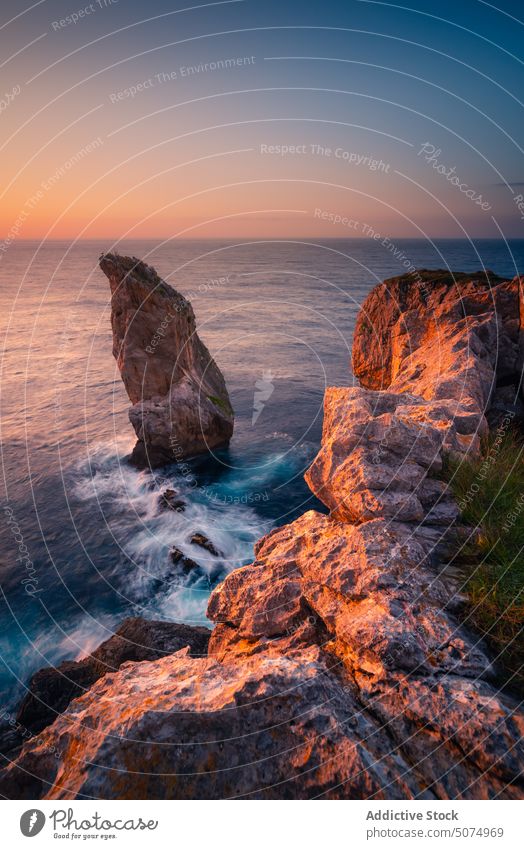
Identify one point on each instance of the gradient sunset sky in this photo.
(358, 87)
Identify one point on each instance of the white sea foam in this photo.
(224, 511)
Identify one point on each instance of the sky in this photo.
(246, 119)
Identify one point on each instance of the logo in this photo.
(263, 392)
(32, 822)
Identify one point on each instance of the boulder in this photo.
(181, 406)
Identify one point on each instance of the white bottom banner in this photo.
(257, 825)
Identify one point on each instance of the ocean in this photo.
(87, 528)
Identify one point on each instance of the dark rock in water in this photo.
(205, 542)
(189, 573)
(169, 500)
(52, 689)
(12, 738)
(150, 456)
(180, 559)
(181, 406)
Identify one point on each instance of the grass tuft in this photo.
(490, 494)
(223, 405)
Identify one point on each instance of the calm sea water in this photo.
(278, 317)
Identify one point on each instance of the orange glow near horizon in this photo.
(105, 136)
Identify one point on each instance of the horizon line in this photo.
(166, 239)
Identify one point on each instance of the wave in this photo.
(173, 558)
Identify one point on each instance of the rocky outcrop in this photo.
(337, 667)
(51, 689)
(335, 670)
(369, 597)
(429, 351)
(380, 452)
(181, 407)
(441, 335)
(263, 728)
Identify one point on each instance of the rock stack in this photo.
(181, 406)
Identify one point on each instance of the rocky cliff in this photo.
(338, 667)
(180, 402)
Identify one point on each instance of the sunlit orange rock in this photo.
(439, 334)
(269, 727)
(429, 350)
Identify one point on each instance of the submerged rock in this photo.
(170, 500)
(181, 406)
(189, 572)
(204, 542)
(180, 559)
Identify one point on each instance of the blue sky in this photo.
(370, 79)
